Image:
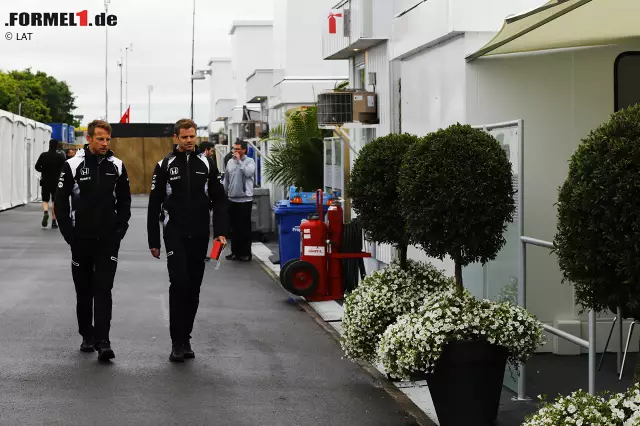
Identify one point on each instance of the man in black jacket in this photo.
(93, 225)
(185, 185)
(49, 164)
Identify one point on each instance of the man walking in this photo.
(49, 164)
(238, 184)
(93, 225)
(185, 185)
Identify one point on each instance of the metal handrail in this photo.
(590, 345)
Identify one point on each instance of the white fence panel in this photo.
(19, 164)
(6, 134)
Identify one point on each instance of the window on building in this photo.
(627, 85)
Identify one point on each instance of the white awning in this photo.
(565, 24)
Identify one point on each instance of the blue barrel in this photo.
(288, 217)
(57, 131)
(71, 138)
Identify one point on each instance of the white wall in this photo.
(252, 48)
(303, 44)
(221, 82)
(442, 19)
(561, 96)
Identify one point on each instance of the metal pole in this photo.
(619, 357)
(150, 88)
(522, 260)
(592, 352)
(120, 65)
(193, 51)
(106, 64)
(126, 78)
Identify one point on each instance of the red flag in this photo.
(126, 118)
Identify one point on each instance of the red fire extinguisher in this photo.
(332, 22)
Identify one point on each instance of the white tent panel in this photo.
(19, 165)
(6, 133)
(31, 161)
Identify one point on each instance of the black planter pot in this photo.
(467, 383)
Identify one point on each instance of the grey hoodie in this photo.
(238, 179)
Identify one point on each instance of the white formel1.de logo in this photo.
(314, 251)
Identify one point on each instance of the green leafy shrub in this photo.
(457, 196)
(373, 189)
(297, 153)
(598, 238)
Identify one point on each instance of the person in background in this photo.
(207, 149)
(93, 225)
(49, 164)
(70, 153)
(238, 184)
(186, 185)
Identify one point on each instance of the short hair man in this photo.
(70, 153)
(93, 225)
(238, 184)
(207, 149)
(185, 185)
(49, 164)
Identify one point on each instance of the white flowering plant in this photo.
(414, 343)
(580, 409)
(380, 298)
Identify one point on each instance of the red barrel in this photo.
(313, 233)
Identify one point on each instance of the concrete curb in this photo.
(413, 397)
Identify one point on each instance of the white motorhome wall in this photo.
(21, 143)
(561, 96)
(433, 96)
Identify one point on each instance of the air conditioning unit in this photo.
(253, 129)
(339, 107)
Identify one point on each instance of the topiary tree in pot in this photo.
(598, 238)
(373, 189)
(456, 198)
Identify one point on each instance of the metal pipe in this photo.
(522, 262)
(570, 337)
(106, 64)
(592, 352)
(193, 51)
(619, 354)
(537, 242)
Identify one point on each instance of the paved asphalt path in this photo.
(259, 360)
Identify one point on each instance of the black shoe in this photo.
(45, 220)
(244, 258)
(54, 224)
(177, 353)
(105, 353)
(188, 352)
(207, 259)
(87, 346)
(231, 257)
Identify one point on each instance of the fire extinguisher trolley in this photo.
(317, 275)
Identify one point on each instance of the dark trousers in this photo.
(240, 220)
(93, 266)
(185, 262)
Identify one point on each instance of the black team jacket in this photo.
(98, 187)
(186, 187)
